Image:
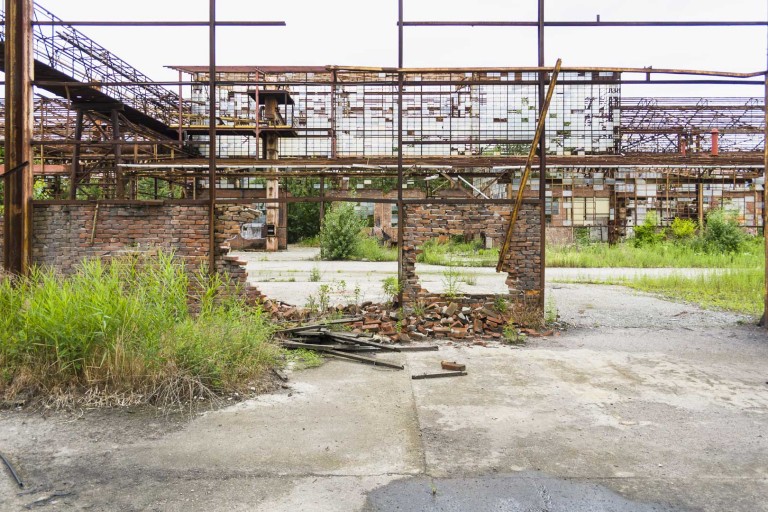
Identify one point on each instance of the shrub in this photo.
(340, 233)
(722, 232)
(683, 229)
(647, 233)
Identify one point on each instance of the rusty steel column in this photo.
(120, 182)
(271, 146)
(765, 202)
(212, 137)
(19, 74)
(542, 157)
(400, 205)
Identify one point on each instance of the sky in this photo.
(360, 32)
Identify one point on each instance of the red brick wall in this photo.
(65, 234)
(522, 263)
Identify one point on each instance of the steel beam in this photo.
(19, 74)
(212, 136)
(537, 142)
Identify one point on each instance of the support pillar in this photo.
(120, 181)
(271, 140)
(74, 172)
(18, 178)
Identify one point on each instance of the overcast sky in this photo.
(364, 32)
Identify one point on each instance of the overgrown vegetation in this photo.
(340, 234)
(739, 290)
(391, 287)
(123, 333)
(720, 244)
(343, 237)
(458, 253)
(667, 254)
(303, 218)
(369, 248)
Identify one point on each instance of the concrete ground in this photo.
(287, 276)
(642, 404)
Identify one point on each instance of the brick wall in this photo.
(522, 263)
(65, 234)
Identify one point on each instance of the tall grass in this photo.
(123, 331)
(668, 254)
(458, 254)
(370, 249)
(738, 290)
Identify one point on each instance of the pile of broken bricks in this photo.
(440, 319)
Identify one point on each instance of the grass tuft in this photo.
(669, 255)
(122, 333)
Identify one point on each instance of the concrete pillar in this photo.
(273, 190)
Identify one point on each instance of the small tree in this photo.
(340, 232)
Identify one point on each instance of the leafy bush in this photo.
(581, 236)
(647, 233)
(683, 229)
(722, 232)
(340, 233)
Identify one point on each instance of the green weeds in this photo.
(124, 329)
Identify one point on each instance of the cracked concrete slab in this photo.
(664, 407)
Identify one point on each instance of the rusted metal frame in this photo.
(212, 136)
(537, 69)
(118, 150)
(526, 173)
(584, 24)
(74, 176)
(158, 142)
(765, 204)
(543, 109)
(341, 199)
(159, 23)
(408, 83)
(308, 199)
(400, 203)
(181, 109)
(17, 243)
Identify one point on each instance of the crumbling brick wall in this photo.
(66, 233)
(432, 221)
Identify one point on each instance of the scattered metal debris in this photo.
(319, 338)
(48, 500)
(12, 470)
(438, 375)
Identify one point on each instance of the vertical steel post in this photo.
(19, 74)
(542, 157)
(118, 150)
(765, 200)
(181, 107)
(74, 172)
(212, 136)
(400, 206)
